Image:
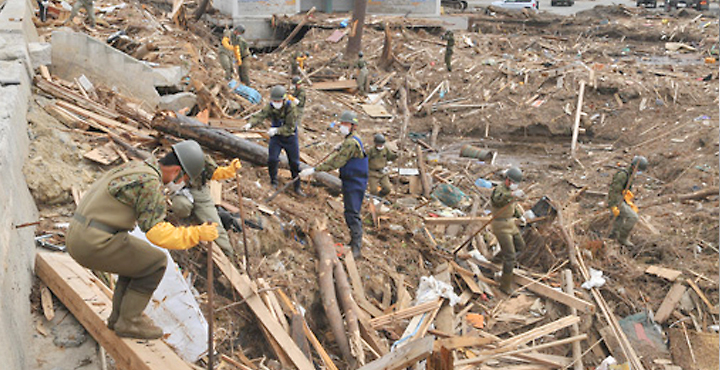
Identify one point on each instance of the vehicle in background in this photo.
(646, 3)
(695, 4)
(455, 4)
(517, 4)
(562, 2)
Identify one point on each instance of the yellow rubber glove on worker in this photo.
(629, 198)
(165, 235)
(238, 57)
(615, 211)
(226, 43)
(227, 172)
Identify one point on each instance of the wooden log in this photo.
(357, 287)
(576, 126)
(327, 259)
(74, 286)
(295, 31)
(453, 220)
(698, 195)
(569, 288)
(344, 292)
(225, 142)
(403, 357)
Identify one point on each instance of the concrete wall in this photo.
(416, 8)
(17, 248)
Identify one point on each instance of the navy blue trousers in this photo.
(292, 150)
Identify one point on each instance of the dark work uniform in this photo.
(285, 120)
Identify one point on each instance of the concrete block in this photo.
(176, 102)
(169, 76)
(40, 54)
(417, 8)
(75, 54)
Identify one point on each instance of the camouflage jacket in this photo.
(501, 197)
(299, 94)
(619, 183)
(143, 193)
(349, 149)
(287, 114)
(378, 158)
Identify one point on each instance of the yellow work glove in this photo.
(227, 172)
(165, 235)
(615, 211)
(226, 43)
(238, 57)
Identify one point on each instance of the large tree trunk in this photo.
(351, 318)
(227, 143)
(358, 22)
(327, 260)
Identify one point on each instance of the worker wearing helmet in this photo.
(234, 45)
(299, 96)
(507, 215)
(195, 199)
(378, 157)
(620, 201)
(283, 134)
(122, 198)
(352, 161)
(362, 78)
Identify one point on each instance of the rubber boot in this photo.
(506, 283)
(120, 288)
(356, 251)
(131, 323)
(273, 170)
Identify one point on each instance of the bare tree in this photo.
(356, 30)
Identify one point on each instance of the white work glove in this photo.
(247, 127)
(272, 131)
(518, 194)
(337, 147)
(307, 172)
(521, 221)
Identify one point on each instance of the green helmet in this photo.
(640, 163)
(379, 139)
(349, 117)
(277, 93)
(191, 158)
(296, 80)
(514, 174)
(240, 29)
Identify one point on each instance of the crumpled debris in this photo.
(596, 279)
(431, 289)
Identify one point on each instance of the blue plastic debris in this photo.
(245, 91)
(482, 183)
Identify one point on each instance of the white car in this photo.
(517, 4)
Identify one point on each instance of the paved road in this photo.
(579, 6)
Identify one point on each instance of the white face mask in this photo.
(276, 104)
(381, 147)
(174, 187)
(344, 130)
(513, 186)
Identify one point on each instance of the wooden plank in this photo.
(376, 111)
(403, 357)
(74, 286)
(488, 355)
(576, 126)
(713, 309)
(357, 287)
(46, 302)
(388, 319)
(468, 277)
(216, 192)
(544, 290)
(539, 332)
(668, 304)
(109, 122)
(558, 362)
(104, 155)
(663, 272)
(243, 285)
(335, 85)
(463, 342)
(453, 220)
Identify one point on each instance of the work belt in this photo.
(96, 224)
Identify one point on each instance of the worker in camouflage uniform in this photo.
(130, 195)
(362, 78)
(378, 157)
(283, 134)
(449, 37)
(298, 62)
(300, 97)
(620, 201)
(352, 161)
(507, 215)
(195, 199)
(234, 45)
(88, 5)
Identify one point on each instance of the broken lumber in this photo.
(424, 180)
(453, 220)
(538, 332)
(327, 259)
(242, 284)
(576, 126)
(668, 304)
(569, 287)
(712, 308)
(296, 29)
(464, 342)
(388, 319)
(357, 287)
(74, 286)
(489, 355)
(663, 272)
(350, 308)
(225, 142)
(335, 85)
(403, 357)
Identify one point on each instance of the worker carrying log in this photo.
(129, 195)
(194, 199)
(90, 12)
(352, 161)
(507, 215)
(233, 45)
(449, 37)
(362, 77)
(378, 158)
(282, 114)
(621, 201)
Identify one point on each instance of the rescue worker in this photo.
(234, 45)
(352, 161)
(283, 134)
(507, 215)
(449, 37)
(362, 78)
(300, 98)
(378, 157)
(195, 199)
(88, 5)
(126, 196)
(620, 201)
(298, 62)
